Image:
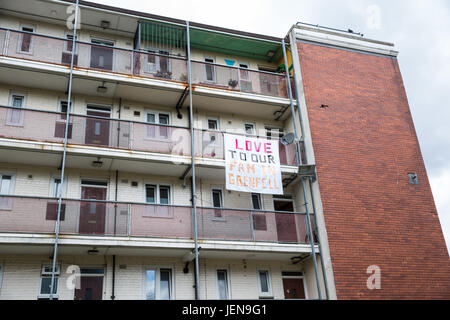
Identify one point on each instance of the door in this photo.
(277, 134)
(286, 226)
(102, 55)
(92, 214)
(293, 288)
(97, 129)
(91, 288)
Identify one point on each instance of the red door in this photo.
(92, 214)
(97, 130)
(293, 288)
(286, 226)
(91, 288)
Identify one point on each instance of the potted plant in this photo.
(232, 83)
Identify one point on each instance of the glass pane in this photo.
(164, 195)
(212, 124)
(222, 284)
(97, 128)
(5, 183)
(217, 198)
(164, 286)
(150, 284)
(151, 118)
(17, 102)
(264, 280)
(249, 128)
(57, 188)
(45, 285)
(256, 200)
(164, 119)
(150, 194)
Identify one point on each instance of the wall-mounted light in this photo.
(93, 251)
(97, 163)
(102, 88)
(270, 53)
(105, 24)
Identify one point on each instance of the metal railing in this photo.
(55, 50)
(26, 214)
(49, 126)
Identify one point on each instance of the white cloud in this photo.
(440, 185)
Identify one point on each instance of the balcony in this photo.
(139, 65)
(100, 132)
(34, 215)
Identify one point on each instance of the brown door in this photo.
(92, 214)
(102, 56)
(286, 226)
(97, 130)
(293, 288)
(91, 288)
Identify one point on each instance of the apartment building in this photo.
(134, 110)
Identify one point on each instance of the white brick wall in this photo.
(21, 276)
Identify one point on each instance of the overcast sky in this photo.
(420, 30)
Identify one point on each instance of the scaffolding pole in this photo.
(299, 162)
(289, 89)
(193, 188)
(69, 97)
(322, 262)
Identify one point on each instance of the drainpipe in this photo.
(115, 204)
(69, 97)
(113, 277)
(322, 263)
(193, 189)
(311, 239)
(294, 119)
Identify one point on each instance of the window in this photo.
(222, 285)
(160, 129)
(69, 44)
(15, 115)
(158, 284)
(256, 201)
(244, 74)
(158, 62)
(264, 283)
(26, 39)
(213, 124)
(46, 279)
(217, 198)
(6, 186)
(217, 201)
(157, 194)
(210, 70)
(249, 128)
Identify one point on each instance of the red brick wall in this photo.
(365, 145)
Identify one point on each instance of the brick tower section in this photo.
(365, 146)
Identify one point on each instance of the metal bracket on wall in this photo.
(180, 102)
(307, 170)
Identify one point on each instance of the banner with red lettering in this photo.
(252, 165)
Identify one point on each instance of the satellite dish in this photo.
(287, 139)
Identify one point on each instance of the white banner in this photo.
(252, 165)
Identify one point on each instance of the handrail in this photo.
(147, 204)
(141, 51)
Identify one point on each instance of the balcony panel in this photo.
(44, 126)
(138, 64)
(19, 214)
